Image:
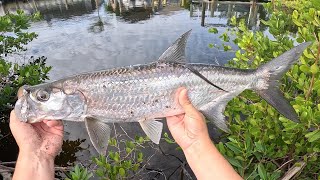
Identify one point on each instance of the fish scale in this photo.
(124, 99)
(145, 93)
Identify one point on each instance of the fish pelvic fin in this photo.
(271, 73)
(153, 129)
(176, 52)
(99, 134)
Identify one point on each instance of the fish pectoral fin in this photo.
(99, 134)
(153, 129)
(176, 52)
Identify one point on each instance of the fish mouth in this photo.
(23, 112)
(21, 108)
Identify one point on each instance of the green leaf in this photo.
(122, 172)
(233, 147)
(314, 69)
(116, 157)
(304, 68)
(226, 47)
(128, 150)
(295, 14)
(298, 23)
(313, 136)
(308, 55)
(300, 40)
(213, 30)
(141, 140)
(234, 162)
(136, 167)
(168, 139)
(221, 146)
(262, 171)
(100, 172)
(77, 170)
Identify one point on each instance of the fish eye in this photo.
(43, 95)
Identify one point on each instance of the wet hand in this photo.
(43, 138)
(190, 127)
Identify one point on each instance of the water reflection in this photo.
(133, 11)
(250, 11)
(53, 8)
(68, 154)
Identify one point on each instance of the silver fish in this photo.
(145, 93)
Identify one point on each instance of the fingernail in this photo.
(184, 90)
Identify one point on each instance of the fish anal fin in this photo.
(214, 110)
(153, 129)
(99, 134)
(215, 115)
(176, 52)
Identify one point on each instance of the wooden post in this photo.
(183, 2)
(2, 11)
(229, 11)
(66, 4)
(213, 7)
(203, 13)
(253, 13)
(191, 8)
(152, 5)
(159, 4)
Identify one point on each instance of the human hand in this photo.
(190, 127)
(43, 138)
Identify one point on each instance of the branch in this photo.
(284, 164)
(313, 75)
(295, 170)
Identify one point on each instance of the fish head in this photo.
(48, 102)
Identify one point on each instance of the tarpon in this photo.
(146, 93)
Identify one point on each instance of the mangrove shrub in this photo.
(264, 144)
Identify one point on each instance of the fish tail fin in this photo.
(269, 75)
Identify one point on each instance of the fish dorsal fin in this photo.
(176, 52)
(152, 129)
(99, 134)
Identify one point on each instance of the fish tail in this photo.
(269, 75)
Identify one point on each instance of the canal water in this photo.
(79, 36)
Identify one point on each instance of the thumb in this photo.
(186, 104)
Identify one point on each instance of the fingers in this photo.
(53, 123)
(13, 118)
(17, 127)
(184, 100)
(186, 104)
(20, 91)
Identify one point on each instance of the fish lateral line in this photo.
(194, 71)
